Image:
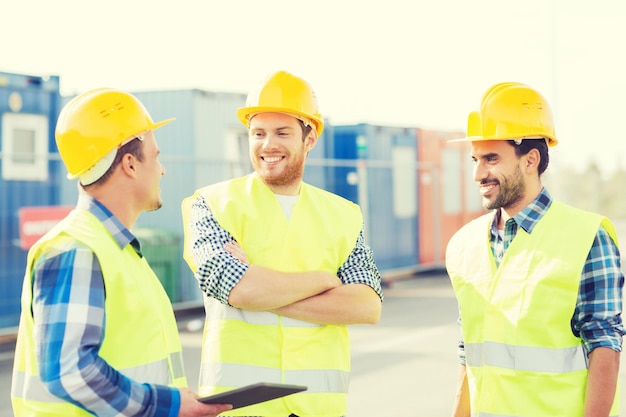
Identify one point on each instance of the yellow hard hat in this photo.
(283, 92)
(93, 124)
(511, 111)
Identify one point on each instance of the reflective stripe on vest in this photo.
(158, 371)
(243, 347)
(317, 380)
(30, 386)
(510, 415)
(516, 318)
(526, 358)
(141, 335)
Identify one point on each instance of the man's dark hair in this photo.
(134, 147)
(306, 129)
(527, 145)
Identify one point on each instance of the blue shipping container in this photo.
(29, 166)
(375, 167)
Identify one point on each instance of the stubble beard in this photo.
(292, 174)
(156, 206)
(512, 191)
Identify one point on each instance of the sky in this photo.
(412, 63)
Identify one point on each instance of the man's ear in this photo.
(310, 140)
(128, 165)
(532, 159)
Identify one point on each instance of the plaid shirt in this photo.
(218, 271)
(597, 316)
(69, 313)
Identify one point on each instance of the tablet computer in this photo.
(252, 394)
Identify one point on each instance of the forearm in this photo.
(69, 334)
(344, 305)
(99, 388)
(217, 270)
(318, 297)
(462, 400)
(601, 382)
(89, 381)
(263, 289)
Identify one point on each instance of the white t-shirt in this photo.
(287, 202)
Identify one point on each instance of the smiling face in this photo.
(278, 151)
(500, 175)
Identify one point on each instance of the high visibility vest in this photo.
(141, 336)
(522, 357)
(243, 347)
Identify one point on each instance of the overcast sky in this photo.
(392, 62)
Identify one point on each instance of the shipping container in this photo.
(205, 144)
(448, 196)
(375, 167)
(316, 169)
(29, 172)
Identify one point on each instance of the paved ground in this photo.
(404, 366)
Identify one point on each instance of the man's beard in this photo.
(291, 174)
(511, 191)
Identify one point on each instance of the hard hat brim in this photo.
(161, 123)
(151, 127)
(243, 114)
(551, 141)
(466, 139)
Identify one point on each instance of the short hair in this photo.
(306, 129)
(527, 145)
(134, 147)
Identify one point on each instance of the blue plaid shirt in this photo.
(597, 316)
(69, 313)
(218, 271)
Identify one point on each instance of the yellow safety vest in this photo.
(522, 357)
(141, 336)
(242, 347)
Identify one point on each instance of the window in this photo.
(237, 152)
(451, 181)
(404, 182)
(24, 147)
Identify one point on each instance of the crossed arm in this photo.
(315, 296)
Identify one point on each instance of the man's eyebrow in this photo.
(487, 155)
(276, 128)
